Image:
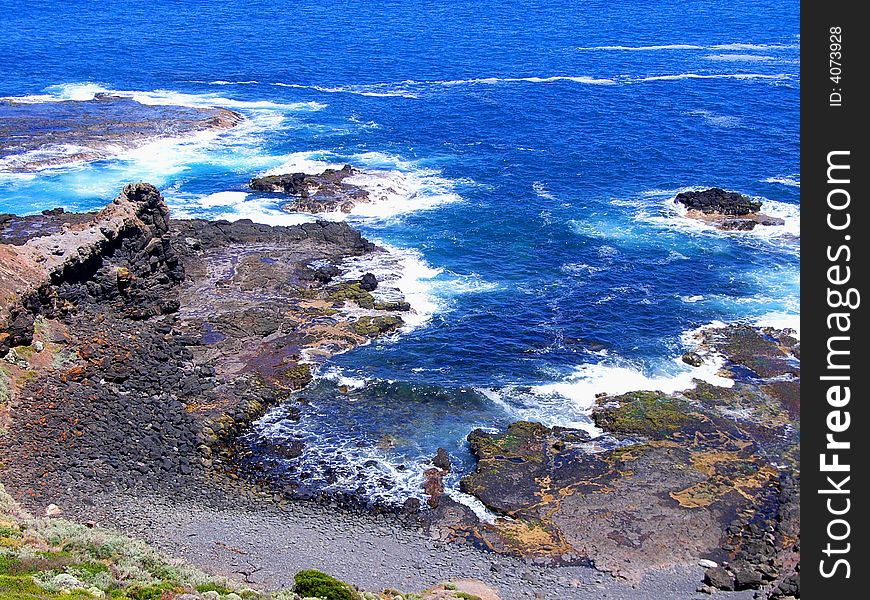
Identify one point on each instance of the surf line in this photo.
(841, 300)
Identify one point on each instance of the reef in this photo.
(40, 135)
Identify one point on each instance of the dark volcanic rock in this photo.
(718, 201)
(693, 359)
(728, 211)
(719, 578)
(327, 192)
(442, 460)
(159, 341)
(122, 256)
(369, 282)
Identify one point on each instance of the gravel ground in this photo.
(267, 545)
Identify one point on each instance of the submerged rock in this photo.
(693, 359)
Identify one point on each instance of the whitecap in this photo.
(787, 180)
(646, 48)
(741, 58)
(541, 191)
(742, 76)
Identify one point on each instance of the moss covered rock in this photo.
(375, 326)
(651, 414)
(352, 292)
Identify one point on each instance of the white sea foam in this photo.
(780, 320)
(530, 404)
(542, 192)
(89, 91)
(615, 376)
(657, 47)
(712, 118)
(402, 274)
(232, 206)
(334, 373)
(378, 90)
(646, 48)
(787, 180)
(739, 46)
(747, 76)
(310, 162)
(411, 88)
(673, 215)
(476, 506)
(741, 58)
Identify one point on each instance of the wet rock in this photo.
(42, 134)
(729, 211)
(433, 486)
(718, 201)
(442, 460)
(369, 282)
(693, 359)
(323, 193)
(377, 326)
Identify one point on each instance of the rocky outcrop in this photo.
(707, 473)
(716, 201)
(327, 192)
(122, 255)
(729, 211)
(38, 135)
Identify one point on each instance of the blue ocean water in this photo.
(528, 157)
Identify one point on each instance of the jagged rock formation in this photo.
(122, 255)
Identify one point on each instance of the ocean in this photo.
(524, 161)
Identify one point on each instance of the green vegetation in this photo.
(315, 584)
(647, 413)
(5, 380)
(298, 376)
(373, 326)
(353, 292)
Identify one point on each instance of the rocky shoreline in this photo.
(708, 475)
(200, 325)
(137, 348)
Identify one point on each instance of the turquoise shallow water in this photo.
(527, 158)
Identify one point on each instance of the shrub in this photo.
(315, 584)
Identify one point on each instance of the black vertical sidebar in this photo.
(835, 426)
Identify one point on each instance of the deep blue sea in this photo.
(527, 156)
